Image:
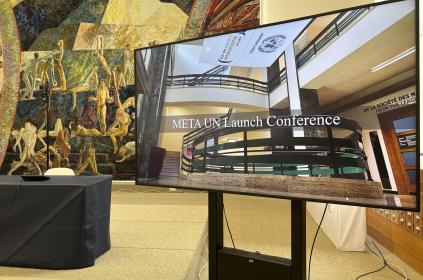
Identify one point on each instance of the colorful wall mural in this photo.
(67, 79)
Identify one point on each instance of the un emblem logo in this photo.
(272, 43)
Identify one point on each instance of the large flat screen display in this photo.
(323, 108)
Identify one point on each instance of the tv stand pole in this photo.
(215, 230)
(298, 240)
(298, 237)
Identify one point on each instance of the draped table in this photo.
(59, 223)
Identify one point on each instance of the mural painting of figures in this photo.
(77, 60)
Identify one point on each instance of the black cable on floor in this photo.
(396, 271)
(314, 240)
(229, 228)
(377, 270)
(380, 255)
(371, 272)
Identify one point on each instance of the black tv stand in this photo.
(228, 263)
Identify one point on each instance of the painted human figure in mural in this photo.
(127, 151)
(129, 102)
(119, 127)
(57, 158)
(83, 131)
(118, 82)
(102, 60)
(101, 99)
(118, 77)
(25, 91)
(14, 136)
(42, 132)
(28, 135)
(58, 126)
(47, 72)
(34, 71)
(29, 77)
(128, 65)
(62, 146)
(58, 64)
(90, 83)
(87, 158)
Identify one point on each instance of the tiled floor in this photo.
(155, 235)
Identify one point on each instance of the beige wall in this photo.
(279, 10)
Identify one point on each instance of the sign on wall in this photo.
(251, 48)
(392, 102)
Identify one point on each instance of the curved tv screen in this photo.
(323, 108)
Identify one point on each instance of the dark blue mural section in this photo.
(34, 16)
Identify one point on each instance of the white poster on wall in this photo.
(251, 48)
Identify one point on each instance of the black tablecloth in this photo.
(57, 224)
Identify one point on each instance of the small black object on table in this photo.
(59, 223)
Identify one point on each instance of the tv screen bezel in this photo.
(151, 182)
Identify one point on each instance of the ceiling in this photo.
(314, 29)
(352, 75)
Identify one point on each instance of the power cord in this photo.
(374, 249)
(205, 237)
(314, 240)
(371, 272)
(229, 228)
(207, 263)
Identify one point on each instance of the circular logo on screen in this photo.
(272, 43)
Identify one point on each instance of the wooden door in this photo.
(399, 132)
